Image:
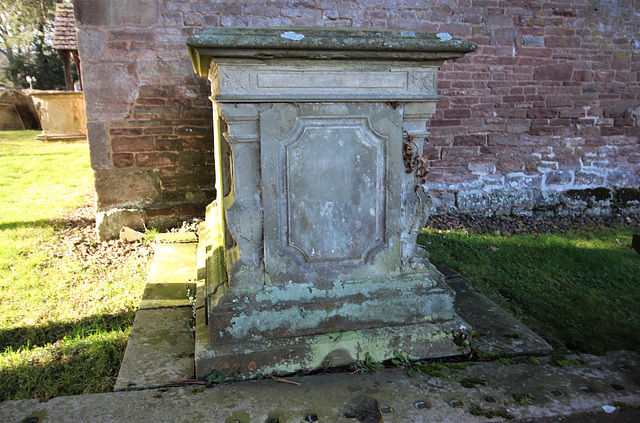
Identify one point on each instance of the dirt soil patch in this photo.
(78, 239)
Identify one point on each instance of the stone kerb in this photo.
(316, 212)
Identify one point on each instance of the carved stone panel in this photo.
(255, 81)
(334, 200)
(326, 189)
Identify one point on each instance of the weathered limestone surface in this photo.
(311, 246)
(17, 111)
(62, 115)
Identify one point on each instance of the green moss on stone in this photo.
(476, 410)
(625, 196)
(597, 194)
(471, 382)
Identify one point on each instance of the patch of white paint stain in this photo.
(290, 35)
(327, 209)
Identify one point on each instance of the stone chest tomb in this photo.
(309, 247)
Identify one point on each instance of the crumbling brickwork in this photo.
(550, 102)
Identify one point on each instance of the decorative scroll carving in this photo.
(214, 72)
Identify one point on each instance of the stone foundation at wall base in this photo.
(110, 222)
(527, 201)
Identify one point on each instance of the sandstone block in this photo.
(518, 126)
(132, 144)
(110, 223)
(115, 13)
(99, 144)
(556, 72)
(470, 140)
(126, 187)
(156, 159)
(498, 139)
(122, 160)
(113, 96)
(558, 177)
(511, 164)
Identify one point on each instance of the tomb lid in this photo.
(322, 43)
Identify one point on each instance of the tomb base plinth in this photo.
(250, 359)
(309, 256)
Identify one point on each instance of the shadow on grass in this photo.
(52, 332)
(42, 223)
(79, 366)
(48, 223)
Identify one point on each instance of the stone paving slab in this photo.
(167, 294)
(175, 262)
(159, 351)
(182, 237)
(497, 332)
(603, 389)
(161, 345)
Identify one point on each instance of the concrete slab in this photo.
(603, 389)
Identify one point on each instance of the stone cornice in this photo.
(322, 43)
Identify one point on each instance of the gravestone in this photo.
(311, 259)
(62, 115)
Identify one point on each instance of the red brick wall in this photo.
(550, 102)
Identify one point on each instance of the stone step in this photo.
(160, 348)
(600, 389)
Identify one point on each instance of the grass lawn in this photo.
(64, 318)
(579, 291)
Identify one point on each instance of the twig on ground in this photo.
(187, 381)
(279, 379)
